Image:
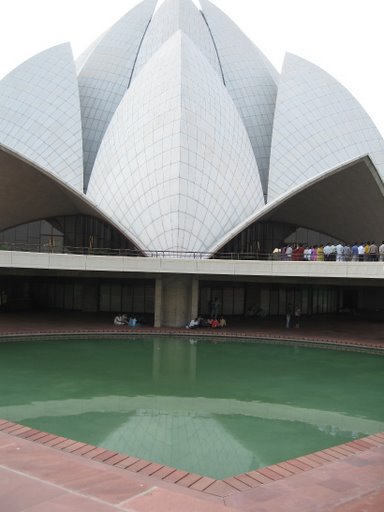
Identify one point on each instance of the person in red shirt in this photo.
(298, 253)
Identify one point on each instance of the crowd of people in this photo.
(213, 323)
(358, 251)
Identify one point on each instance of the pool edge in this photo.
(220, 488)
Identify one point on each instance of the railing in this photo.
(105, 251)
(47, 248)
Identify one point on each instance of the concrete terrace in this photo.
(43, 472)
(154, 267)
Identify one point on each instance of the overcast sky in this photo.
(344, 37)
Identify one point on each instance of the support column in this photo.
(176, 300)
(158, 302)
(194, 298)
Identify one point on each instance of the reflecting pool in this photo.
(217, 409)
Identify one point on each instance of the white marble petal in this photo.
(40, 114)
(176, 168)
(174, 15)
(251, 81)
(105, 74)
(318, 125)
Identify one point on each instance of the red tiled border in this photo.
(245, 337)
(219, 488)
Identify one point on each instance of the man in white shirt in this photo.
(381, 252)
(327, 251)
(307, 253)
(361, 250)
(339, 252)
(332, 252)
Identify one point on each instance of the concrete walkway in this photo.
(38, 477)
(41, 472)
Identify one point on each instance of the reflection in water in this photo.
(214, 409)
(189, 441)
(328, 422)
(174, 361)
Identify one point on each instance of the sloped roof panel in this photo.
(318, 125)
(250, 79)
(40, 114)
(176, 168)
(174, 15)
(105, 73)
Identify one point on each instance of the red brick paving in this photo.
(40, 472)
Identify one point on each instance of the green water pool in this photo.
(217, 409)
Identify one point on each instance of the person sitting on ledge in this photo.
(132, 322)
(119, 320)
(222, 322)
(215, 323)
(193, 324)
(203, 322)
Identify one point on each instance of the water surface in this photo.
(216, 409)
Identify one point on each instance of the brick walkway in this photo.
(345, 330)
(41, 472)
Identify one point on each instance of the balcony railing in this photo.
(94, 251)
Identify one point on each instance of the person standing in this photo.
(339, 252)
(366, 250)
(361, 250)
(215, 308)
(332, 252)
(288, 316)
(276, 255)
(381, 252)
(355, 252)
(320, 253)
(297, 317)
(327, 251)
(347, 252)
(373, 252)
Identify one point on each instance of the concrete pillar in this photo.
(158, 302)
(176, 301)
(194, 298)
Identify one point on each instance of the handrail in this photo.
(134, 253)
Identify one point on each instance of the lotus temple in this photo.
(160, 170)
